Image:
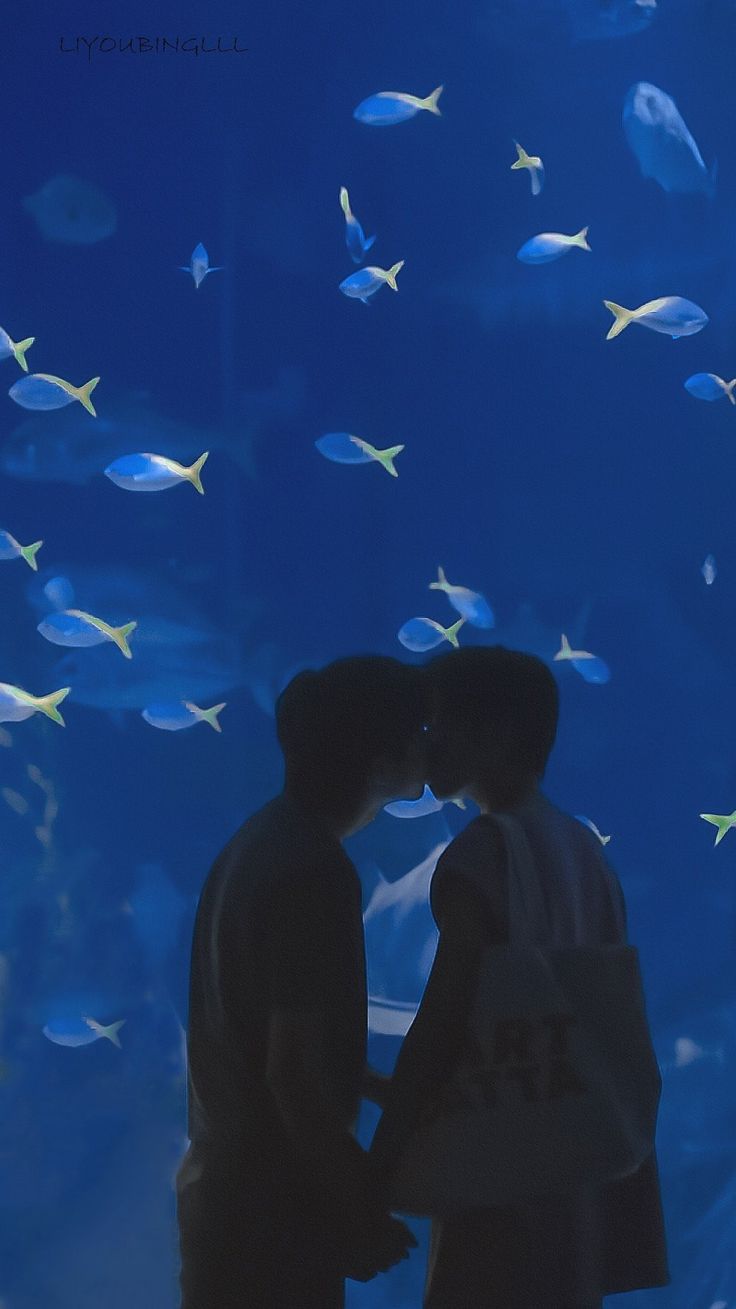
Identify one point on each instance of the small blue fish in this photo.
(342, 448)
(388, 107)
(12, 549)
(16, 704)
(662, 143)
(172, 716)
(709, 570)
(672, 315)
(81, 1031)
(365, 283)
(424, 633)
(355, 238)
(199, 265)
(589, 823)
(707, 386)
(426, 804)
(17, 349)
(44, 391)
(533, 163)
(149, 472)
(547, 246)
(74, 627)
(470, 604)
(590, 667)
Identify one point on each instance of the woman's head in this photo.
(493, 721)
(354, 727)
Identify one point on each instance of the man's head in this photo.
(492, 724)
(352, 733)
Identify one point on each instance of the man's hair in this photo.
(506, 703)
(334, 723)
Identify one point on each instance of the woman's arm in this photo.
(434, 1040)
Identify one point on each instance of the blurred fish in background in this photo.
(72, 211)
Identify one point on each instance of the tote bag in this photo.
(559, 1085)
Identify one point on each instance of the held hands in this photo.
(383, 1242)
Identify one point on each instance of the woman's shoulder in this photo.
(467, 878)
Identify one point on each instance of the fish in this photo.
(17, 704)
(368, 280)
(62, 447)
(12, 549)
(355, 239)
(150, 472)
(590, 667)
(600, 20)
(526, 632)
(44, 391)
(589, 823)
(424, 633)
(342, 448)
(547, 246)
(401, 940)
(550, 23)
(172, 716)
(76, 627)
(709, 570)
(502, 297)
(469, 604)
(72, 211)
(671, 315)
(81, 1031)
(661, 142)
(17, 349)
(386, 108)
(426, 804)
(708, 386)
(535, 166)
(199, 265)
(173, 661)
(724, 822)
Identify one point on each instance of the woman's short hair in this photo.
(335, 722)
(506, 702)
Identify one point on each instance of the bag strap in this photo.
(528, 916)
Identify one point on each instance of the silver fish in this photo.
(662, 143)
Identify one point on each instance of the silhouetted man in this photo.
(274, 1202)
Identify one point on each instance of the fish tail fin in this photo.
(581, 238)
(47, 704)
(19, 350)
(120, 635)
(111, 1032)
(84, 393)
(605, 840)
(392, 274)
(721, 821)
(430, 102)
(451, 632)
(386, 457)
(460, 803)
(622, 316)
(345, 201)
(367, 244)
(29, 554)
(210, 715)
(730, 389)
(564, 649)
(523, 157)
(194, 471)
(441, 582)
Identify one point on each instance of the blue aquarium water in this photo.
(189, 206)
